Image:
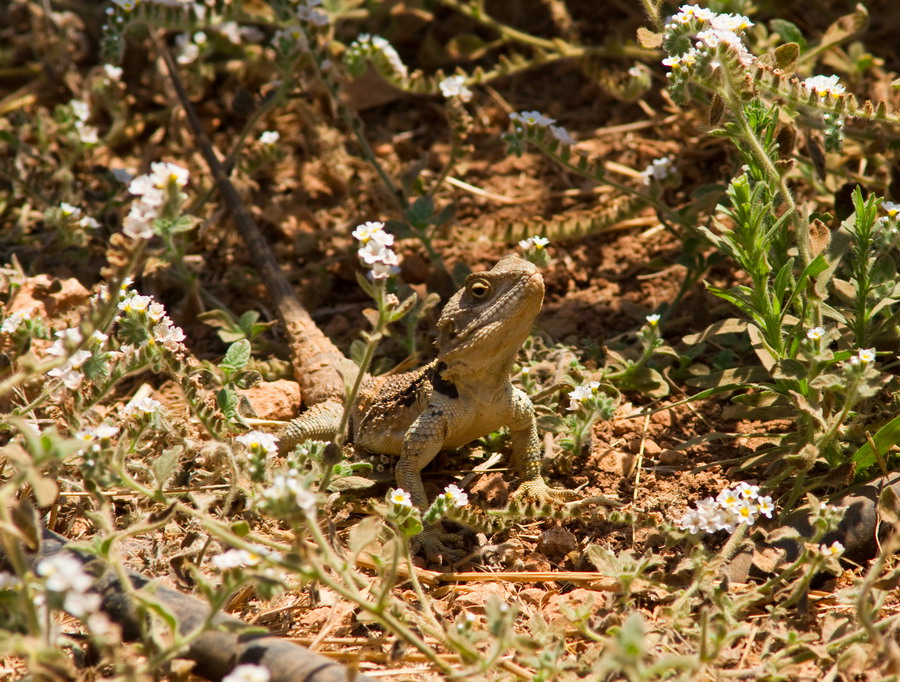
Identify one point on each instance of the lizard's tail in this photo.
(314, 357)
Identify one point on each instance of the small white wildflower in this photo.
(368, 230)
(248, 672)
(866, 355)
(890, 208)
(165, 173)
(8, 581)
(138, 224)
(69, 211)
(562, 135)
(317, 17)
(691, 521)
(455, 86)
(835, 549)
(135, 304)
(63, 573)
(141, 405)
(112, 72)
(156, 311)
(747, 491)
(658, 170)
(127, 5)
(456, 495)
(168, 335)
(746, 512)
(765, 505)
(235, 558)
(578, 396)
(259, 441)
(653, 319)
(80, 109)
(67, 337)
(15, 320)
(532, 118)
(815, 333)
(80, 604)
(824, 86)
(269, 137)
(400, 497)
(728, 498)
(88, 223)
(87, 134)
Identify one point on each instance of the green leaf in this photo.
(738, 377)
(788, 31)
(247, 379)
(421, 212)
(885, 438)
(760, 347)
(237, 356)
(227, 401)
(357, 351)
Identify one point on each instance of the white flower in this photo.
(141, 405)
(730, 22)
(138, 224)
(168, 335)
(235, 558)
(8, 581)
(315, 16)
(890, 208)
(653, 319)
(88, 223)
(12, 323)
(400, 498)
(156, 311)
(866, 355)
(746, 512)
(835, 549)
(165, 173)
(728, 498)
(537, 243)
(248, 672)
(456, 495)
(824, 86)
(815, 333)
(269, 137)
(112, 72)
(69, 211)
(764, 503)
(64, 573)
(259, 441)
(562, 135)
(80, 604)
(87, 134)
(579, 396)
(368, 230)
(80, 109)
(455, 86)
(658, 170)
(532, 118)
(747, 491)
(135, 304)
(126, 5)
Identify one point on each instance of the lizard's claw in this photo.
(433, 541)
(536, 491)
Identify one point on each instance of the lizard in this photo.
(463, 394)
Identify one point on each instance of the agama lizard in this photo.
(462, 395)
(465, 393)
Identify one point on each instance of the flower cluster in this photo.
(695, 36)
(453, 496)
(161, 328)
(863, 357)
(377, 50)
(82, 112)
(64, 578)
(288, 498)
(161, 186)
(536, 243)
(70, 373)
(376, 250)
(259, 442)
(455, 86)
(582, 395)
(824, 86)
(739, 504)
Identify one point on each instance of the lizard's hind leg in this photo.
(320, 422)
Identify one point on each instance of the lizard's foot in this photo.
(433, 541)
(536, 491)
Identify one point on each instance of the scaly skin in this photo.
(462, 395)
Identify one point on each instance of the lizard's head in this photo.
(487, 320)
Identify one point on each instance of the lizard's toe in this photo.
(433, 541)
(536, 491)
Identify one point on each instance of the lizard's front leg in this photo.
(423, 441)
(527, 456)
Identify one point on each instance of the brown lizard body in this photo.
(464, 394)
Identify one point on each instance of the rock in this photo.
(556, 542)
(274, 399)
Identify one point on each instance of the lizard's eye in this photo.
(480, 289)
